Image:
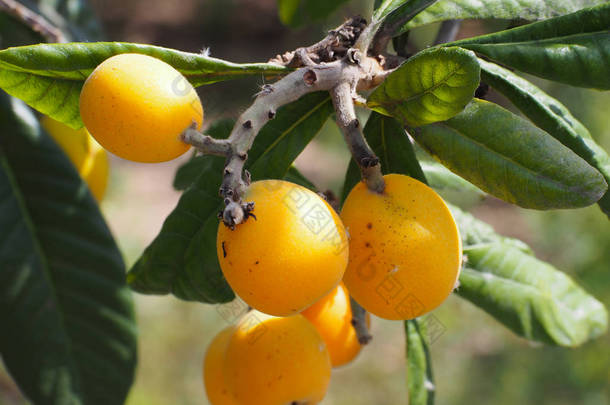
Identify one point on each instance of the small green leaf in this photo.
(69, 335)
(432, 86)
(182, 259)
(392, 145)
(49, 77)
(420, 380)
(572, 49)
(552, 116)
(504, 9)
(298, 12)
(510, 158)
(530, 297)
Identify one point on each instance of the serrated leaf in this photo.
(420, 380)
(182, 258)
(502, 9)
(550, 115)
(432, 86)
(298, 12)
(530, 297)
(49, 77)
(69, 334)
(510, 158)
(572, 49)
(392, 145)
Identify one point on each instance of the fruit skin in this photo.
(136, 106)
(214, 381)
(332, 317)
(277, 361)
(291, 255)
(89, 158)
(405, 248)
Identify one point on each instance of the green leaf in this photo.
(420, 380)
(49, 77)
(298, 12)
(392, 145)
(69, 334)
(293, 175)
(552, 116)
(432, 86)
(473, 231)
(504, 9)
(392, 14)
(182, 259)
(530, 297)
(189, 171)
(441, 178)
(510, 158)
(403, 10)
(572, 49)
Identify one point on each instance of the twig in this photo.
(352, 132)
(358, 71)
(359, 322)
(36, 22)
(448, 31)
(205, 143)
(333, 47)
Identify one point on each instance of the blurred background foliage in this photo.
(476, 360)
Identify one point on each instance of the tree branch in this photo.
(359, 322)
(36, 22)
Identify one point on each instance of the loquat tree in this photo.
(388, 245)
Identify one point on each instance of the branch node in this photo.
(271, 114)
(310, 77)
(247, 124)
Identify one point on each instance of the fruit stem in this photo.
(349, 124)
(359, 322)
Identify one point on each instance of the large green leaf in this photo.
(510, 158)
(68, 334)
(432, 86)
(298, 12)
(49, 77)
(392, 145)
(182, 258)
(420, 380)
(505, 9)
(552, 116)
(473, 231)
(530, 297)
(572, 49)
(442, 179)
